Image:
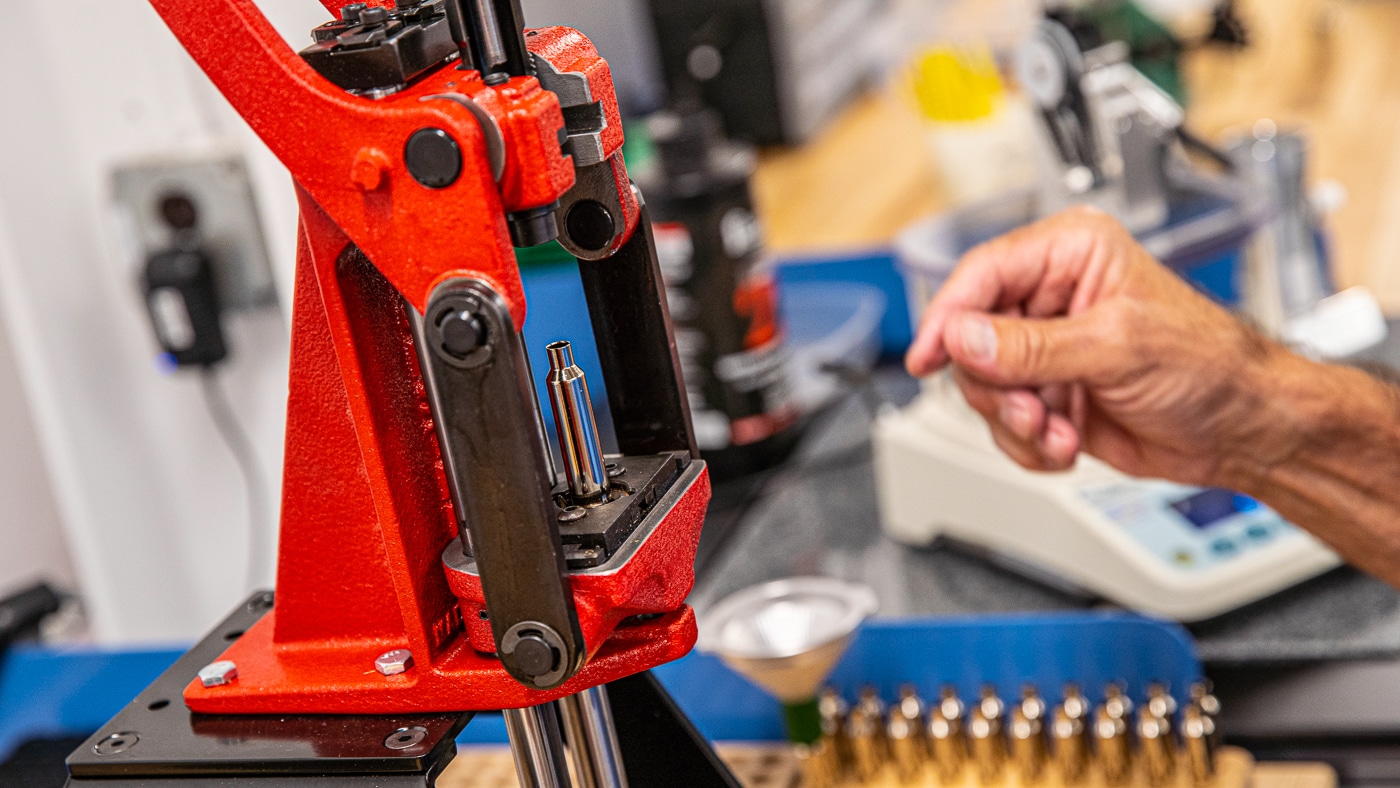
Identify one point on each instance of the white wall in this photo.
(149, 498)
(31, 537)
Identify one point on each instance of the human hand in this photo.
(1067, 336)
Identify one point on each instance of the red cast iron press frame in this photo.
(420, 507)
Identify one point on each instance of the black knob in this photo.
(351, 12)
(462, 333)
(535, 657)
(374, 16)
(433, 158)
(589, 225)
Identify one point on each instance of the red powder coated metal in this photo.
(366, 512)
(569, 50)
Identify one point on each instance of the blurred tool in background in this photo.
(982, 135)
(22, 611)
(1114, 138)
(1289, 290)
(1151, 47)
(38, 762)
(722, 293)
(1144, 27)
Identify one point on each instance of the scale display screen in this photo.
(1213, 504)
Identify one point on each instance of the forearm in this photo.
(1327, 457)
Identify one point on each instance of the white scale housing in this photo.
(1186, 553)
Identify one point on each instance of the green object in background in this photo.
(803, 721)
(637, 149)
(1152, 47)
(544, 254)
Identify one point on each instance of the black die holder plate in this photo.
(637, 483)
(155, 742)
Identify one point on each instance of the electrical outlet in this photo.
(168, 204)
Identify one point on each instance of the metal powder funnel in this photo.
(786, 635)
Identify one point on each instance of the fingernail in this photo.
(1017, 418)
(979, 339)
(1059, 440)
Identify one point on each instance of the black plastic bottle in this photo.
(723, 299)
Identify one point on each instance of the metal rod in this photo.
(493, 47)
(574, 422)
(536, 746)
(592, 741)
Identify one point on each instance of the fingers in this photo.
(1041, 265)
(1022, 426)
(1026, 353)
(987, 279)
(1055, 450)
(1061, 443)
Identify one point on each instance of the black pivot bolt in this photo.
(351, 12)
(535, 657)
(433, 158)
(589, 225)
(462, 333)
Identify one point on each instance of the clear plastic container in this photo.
(830, 325)
(1203, 227)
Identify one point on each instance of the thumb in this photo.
(1014, 351)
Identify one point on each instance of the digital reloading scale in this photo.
(1188, 553)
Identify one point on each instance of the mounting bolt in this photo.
(392, 663)
(404, 738)
(571, 513)
(351, 12)
(261, 601)
(218, 673)
(116, 743)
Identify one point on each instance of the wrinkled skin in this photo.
(1067, 336)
